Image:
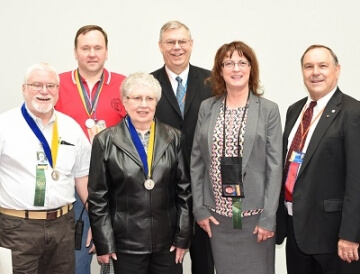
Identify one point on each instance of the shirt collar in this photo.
(107, 76)
(322, 102)
(38, 120)
(184, 75)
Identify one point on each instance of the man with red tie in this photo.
(319, 209)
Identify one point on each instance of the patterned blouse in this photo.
(233, 140)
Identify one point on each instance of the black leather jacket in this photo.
(126, 217)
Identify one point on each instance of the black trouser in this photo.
(298, 262)
(202, 261)
(154, 263)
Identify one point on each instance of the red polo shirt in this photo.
(109, 107)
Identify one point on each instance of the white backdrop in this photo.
(278, 30)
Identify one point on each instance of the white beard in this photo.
(42, 108)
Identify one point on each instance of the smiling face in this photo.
(236, 77)
(320, 73)
(176, 57)
(41, 102)
(140, 105)
(91, 52)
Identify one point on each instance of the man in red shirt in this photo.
(91, 95)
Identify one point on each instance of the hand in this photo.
(263, 234)
(88, 242)
(348, 251)
(180, 253)
(105, 259)
(205, 224)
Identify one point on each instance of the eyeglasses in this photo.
(171, 43)
(231, 64)
(39, 86)
(139, 99)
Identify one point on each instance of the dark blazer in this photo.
(125, 216)
(168, 110)
(326, 197)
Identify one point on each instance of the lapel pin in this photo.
(327, 116)
(333, 111)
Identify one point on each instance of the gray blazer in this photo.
(261, 165)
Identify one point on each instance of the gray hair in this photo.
(173, 25)
(41, 66)
(141, 79)
(334, 57)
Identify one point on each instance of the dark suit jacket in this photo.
(168, 111)
(326, 197)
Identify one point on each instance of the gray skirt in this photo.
(236, 250)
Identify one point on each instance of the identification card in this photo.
(42, 162)
(297, 157)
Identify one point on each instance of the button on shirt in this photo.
(321, 104)
(18, 161)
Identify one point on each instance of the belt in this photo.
(38, 215)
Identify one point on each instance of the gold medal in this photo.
(149, 184)
(90, 123)
(55, 175)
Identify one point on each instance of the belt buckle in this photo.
(51, 215)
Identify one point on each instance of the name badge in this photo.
(297, 157)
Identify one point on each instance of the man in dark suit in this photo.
(175, 44)
(320, 214)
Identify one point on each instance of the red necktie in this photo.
(291, 168)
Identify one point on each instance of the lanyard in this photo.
(89, 105)
(145, 159)
(51, 154)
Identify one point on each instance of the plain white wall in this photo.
(278, 30)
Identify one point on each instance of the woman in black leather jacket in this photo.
(139, 195)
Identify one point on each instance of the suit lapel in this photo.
(162, 141)
(251, 126)
(122, 139)
(331, 110)
(292, 116)
(168, 92)
(213, 111)
(192, 86)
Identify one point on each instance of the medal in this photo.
(55, 175)
(149, 184)
(90, 123)
(101, 125)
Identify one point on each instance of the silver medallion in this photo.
(149, 184)
(55, 175)
(90, 123)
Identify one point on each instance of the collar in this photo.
(184, 75)
(107, 77)
(322, 102)
(38, 120)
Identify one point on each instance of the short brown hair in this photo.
(216, 79)
(86, 29)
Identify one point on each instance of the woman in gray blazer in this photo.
(236, 165)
